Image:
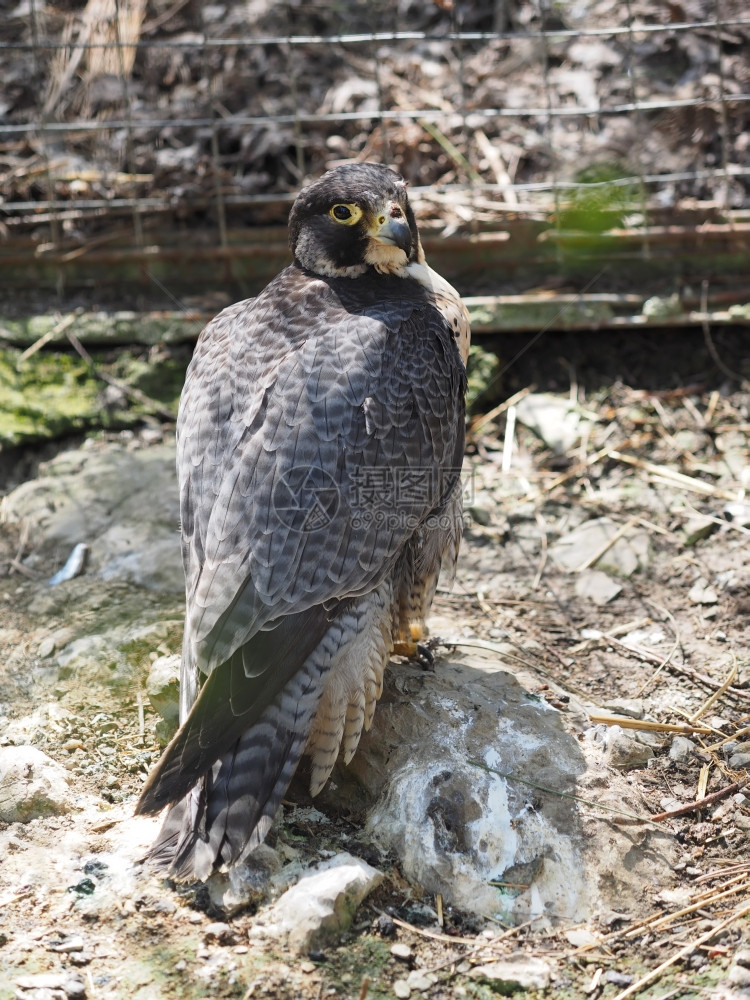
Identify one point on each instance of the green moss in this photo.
(601, 204)
(484, 386)
(52, 393)
(44, 396)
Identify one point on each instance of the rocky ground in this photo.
(524, 817)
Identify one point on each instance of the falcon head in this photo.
(355, 217)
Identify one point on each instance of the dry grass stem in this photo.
(478, 423)
(717, 694)
(682, 953)
(703, 782)
(593, 559)
(671, 475)
(647, 726)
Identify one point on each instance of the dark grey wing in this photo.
(291, 398)
(348, 393)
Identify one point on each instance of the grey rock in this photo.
(632, 708)
(554, 419)
(419, 981)
(122, 504)
(31, 785)
(163, 687)
(480, 514)
(597, 587)
(454, 763)
(698, 528)
(90, 655)
(518, 972)
(681, 749)
(245, 884)
(626, 555)
(617, 978)
(625, 752)
(739, 761)
(315, 911)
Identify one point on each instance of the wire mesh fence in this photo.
(126, 120)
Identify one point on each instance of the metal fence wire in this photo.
(120, 118)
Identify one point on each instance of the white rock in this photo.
(456, 825)
(400, 950)
(702, 593)
(401, 989)
(517, 972)
(581, 937)
(48, 717)
(52, 983)
(554, 419)
(163, 687)
(31, 785)
(314, 912)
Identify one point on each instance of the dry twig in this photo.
(129, 390)
(709, 800)
(682, 953)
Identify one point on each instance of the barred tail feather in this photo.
(230, 810)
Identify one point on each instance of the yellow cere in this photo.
(348, 214)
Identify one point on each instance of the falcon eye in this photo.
(347, 215)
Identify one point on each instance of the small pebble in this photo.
(307, 967)
(402, 951)
(738, 975)
(401, 989)
(419, 981)
(73, 943)
(46, 648)
(385, 926)
(220, 932)
(617, 978)
(681, 749)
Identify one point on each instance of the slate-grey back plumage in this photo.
(320, 436)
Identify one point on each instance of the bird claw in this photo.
(424, 657)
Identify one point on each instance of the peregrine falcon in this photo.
(319, 447)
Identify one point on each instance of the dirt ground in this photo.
(659, 448)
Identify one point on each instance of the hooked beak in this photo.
(393, 233)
